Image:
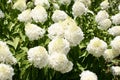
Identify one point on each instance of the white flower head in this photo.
(1, 14)
(115, 44)
(88, 75)
(115, 70)
(59, 62)
(33, 31)
(115, 31)
(59, 45)
(104, 4)
(39, 14)
(109, 54)
(59, 15)
(44, 3)
(74, 35)
(101, 15)
(6, 72)
(38, 56)
(68, 22)
(64, 2)
(104, 24)
(55, 30)
(119, 7)
(86, 2)
(116, 19)
(56, 6)
(20, 5)
(96, 47)
(5, 54)
(78, 8)
(25, 16)
(68, 68)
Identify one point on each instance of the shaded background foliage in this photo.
(12, 32)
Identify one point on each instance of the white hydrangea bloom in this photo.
(109, 54)
(64, 2)
(115, 70)
(101, 15)
(55, 30)
(68, 68)
(115, 31)
(33, 31)
(115, 44)
(6, 72)
(9, 1)
(86, 2)
(104, 24)
(74, 35)
(59, 45)
(44, 3)
(68, 22)
(119, 7)
(104, 4)
(5, 54)
(96, 47)
(38, 56)
(1, 14)
(116, 19)
(59, 62)
(88, 75)
(56, 6)
(25, 16)
(78, 8)
(20, 5)
(39, 14)
(59, 15)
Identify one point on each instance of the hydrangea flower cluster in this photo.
(88, 75)
(6, 59)
(96, 47)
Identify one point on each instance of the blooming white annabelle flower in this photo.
(59, 45)
(6, 72)
(104, 24)
(86, 2)
(115, 44)
(25, 16)
(119, 7)
(5, 54)
(115, 70)
(68, 68)
(55, 30)
(56, 6)
(1, 14)
(96, 47)
(68, 22)
(109, 54)
(38, 56)
(64, 2)
(101, 15)
(78, 8)
(88, 75)
(44, 3)
(9, 1)
(39, 14)
(104, 4)
(59, 15)
(59, 62)
(74, 35)
(20, 5)
(116, 19)
(115, 31)
(33, 31)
